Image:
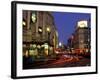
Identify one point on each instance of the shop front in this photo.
(37, 51)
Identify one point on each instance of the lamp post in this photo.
(60, 44)
(40, 31)
(40, 39)
(48, 30)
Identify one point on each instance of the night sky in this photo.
(65, 23)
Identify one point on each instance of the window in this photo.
(33, 17)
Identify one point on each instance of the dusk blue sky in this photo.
(66, 22)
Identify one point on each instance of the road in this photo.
(62, 61)
(68, 61)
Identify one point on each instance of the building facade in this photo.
(81, 38)
(70, 44)
(40, 36)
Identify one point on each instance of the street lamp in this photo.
(60, 44)
(48, 30)
(24, 23)
(40, 38)
(40, 30)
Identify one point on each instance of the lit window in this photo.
(33, 17)
(46, 46)
(38, 46)
(34, 45)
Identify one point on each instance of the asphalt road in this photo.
(62, 61)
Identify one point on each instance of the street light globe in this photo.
(40, 30)
(48, 29)
(60, 44)
(24, 23)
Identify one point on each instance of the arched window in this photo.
(33, 17)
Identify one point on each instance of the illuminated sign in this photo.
(82, 24)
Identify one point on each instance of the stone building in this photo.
(81, 38)
(40, 36)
